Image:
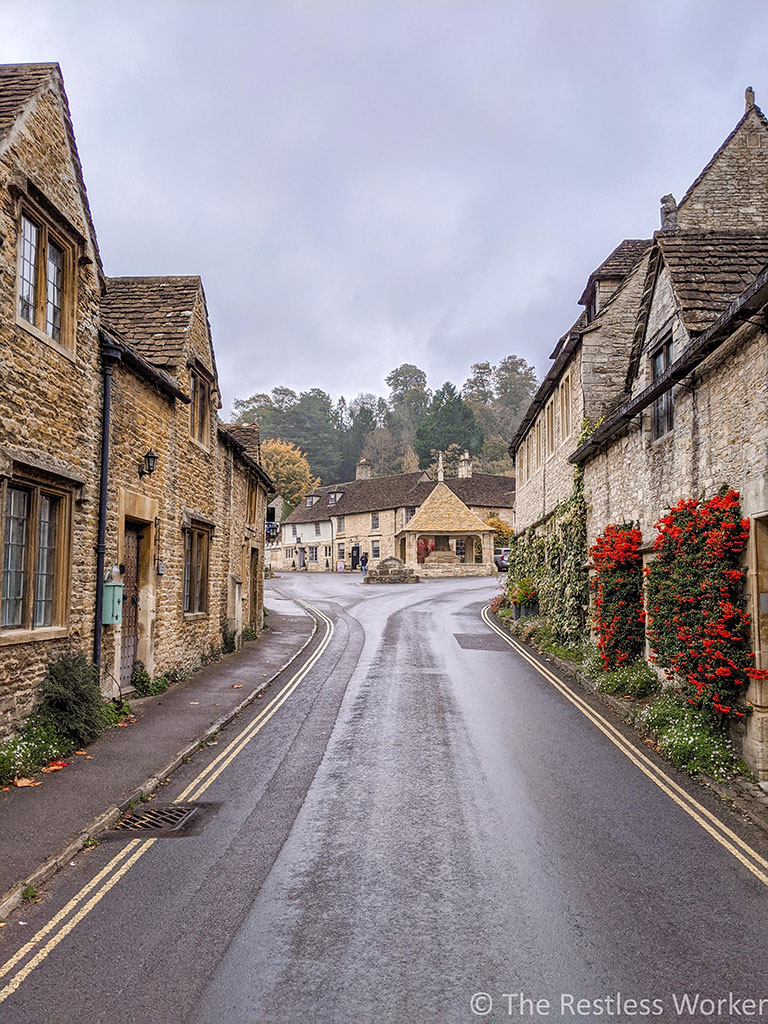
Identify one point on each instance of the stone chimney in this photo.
(440, 468)
(363, 470)
(668, 213)
(464, 471)
(749, 98)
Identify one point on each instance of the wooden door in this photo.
(130, 629)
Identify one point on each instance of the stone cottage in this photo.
(672, 374)
(336, 524)
(165, 500)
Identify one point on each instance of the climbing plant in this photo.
(698, 628)
(617, 595)
(556, 561)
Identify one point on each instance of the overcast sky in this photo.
(363, 184)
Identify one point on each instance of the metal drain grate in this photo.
(168, 818)
(481, 642)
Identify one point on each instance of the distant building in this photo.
(337, 523)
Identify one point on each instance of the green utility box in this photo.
(112, 613)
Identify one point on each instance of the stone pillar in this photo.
(411, 556)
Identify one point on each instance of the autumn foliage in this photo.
(617, 595)
(698, 629)
(288, 468)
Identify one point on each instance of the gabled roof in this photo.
(153, 314)
(708, 271)
(618, 264)
(752, 110)
(247, 435)
(19, 84)
(406, 490)
(444, 512)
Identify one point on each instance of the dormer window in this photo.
(311, 499)
(334, 498)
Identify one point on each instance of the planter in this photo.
(523, 611)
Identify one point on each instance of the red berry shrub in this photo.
(697, 626)
(617, 595)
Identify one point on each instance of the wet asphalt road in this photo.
(424, 819)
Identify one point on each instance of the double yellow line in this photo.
(719, 831)
(62, 924)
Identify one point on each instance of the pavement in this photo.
(44, 826)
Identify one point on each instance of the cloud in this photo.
(364, 184)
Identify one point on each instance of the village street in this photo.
(425, 830)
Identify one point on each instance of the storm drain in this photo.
(481, 641)
(168, 818)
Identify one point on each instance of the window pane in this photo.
(54, 277)
(30, 236)
(14, 556)
(46, 561)
(187, 569)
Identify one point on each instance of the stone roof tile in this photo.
(444, 512)
(708, 271)
(153, 314)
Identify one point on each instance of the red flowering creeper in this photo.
(698, 627)
(617, 595)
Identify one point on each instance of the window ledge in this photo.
(29, 328)
(200, 446)
(195, 616)
(30, 636)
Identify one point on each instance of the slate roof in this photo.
(619, 263)
(444, 512)
(153, 313)
(247, 435)
(18, 84)
(709, 271)
(403, 491)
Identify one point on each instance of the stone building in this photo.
(336, 524)
(167, 500)
(680, 406)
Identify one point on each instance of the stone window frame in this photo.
(318, 530)
(408, 513)
(341, 548)
(549, 432)
(663, 407)
(341, 524)
(538, 445)
(252, 503)
(49, 231)
(37, 486)
(565, 392)
(375, 549)
(200, 395)
(375, 524)
(196, 547)
(312, 550)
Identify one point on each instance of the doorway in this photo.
(130, 627)
(355, 556)
(255, 585)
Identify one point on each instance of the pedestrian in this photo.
(364, 562)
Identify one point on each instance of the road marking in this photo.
(720, 832)
(138, 847)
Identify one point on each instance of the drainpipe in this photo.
(110, 354)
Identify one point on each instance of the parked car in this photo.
(501, 558)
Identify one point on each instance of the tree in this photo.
(495, 458)
(408, 401)
(478, 387)
(449, 421)
(515, 383)
(288, 468)
(381, 451)
(503, 534)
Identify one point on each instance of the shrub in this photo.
(694, 740)
(38, 742)
(249, 633)
(635, 680)
(617, 595)
(524, 592)
(70, 697)
(697, 626)
(140, 680)
(228, 641)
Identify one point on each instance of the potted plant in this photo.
(525, 599)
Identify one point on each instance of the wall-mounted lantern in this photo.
(147, 466)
